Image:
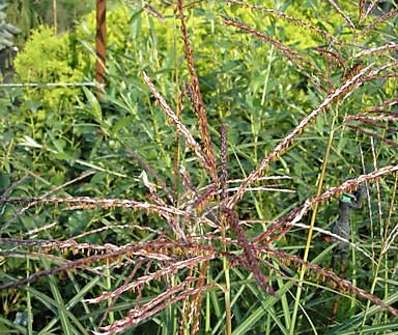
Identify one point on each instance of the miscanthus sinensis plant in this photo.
(229, 228)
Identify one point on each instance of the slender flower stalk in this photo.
(181, 127)
(341, 12)
(391, 46)
(283, 224)
(291, 19)
(285, 144)
(197, 99)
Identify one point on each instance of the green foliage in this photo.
(47, 58)
(50, 137)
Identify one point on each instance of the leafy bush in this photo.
(47, 58)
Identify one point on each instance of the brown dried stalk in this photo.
(148, 308)
(180, 126)
(384, 48)
(224, 163)
(361, 9)
(383, 106)
(377, 123)
(5, 193)
(298, 60)
(196, 303)
(92, 203)
(61, 246)
(159, 247)
(291, 19)
(37, 255)
(375, 135)
(81, 263)
(45, 195)
(249, 259)
(176, 162)
(152, 11)
(329, 277)
(370, 7)
(172, 269)
(162, 301)
(377, 118)
(290, 53)
(332, 56)
(197, 98)
(376, 72)
(282, 225)
(341, 12)
(382, 76)
(283, 145)
(138, 265)
(377, 21)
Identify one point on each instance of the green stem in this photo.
(108, 284)
(311, 229)
(227, 297)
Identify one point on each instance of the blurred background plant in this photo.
(30, 14)
(8, 49)
(64, 142)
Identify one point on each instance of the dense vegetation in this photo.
(199, 194)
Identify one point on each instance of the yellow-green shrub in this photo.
(46, 58)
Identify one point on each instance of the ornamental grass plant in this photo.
(198, 195)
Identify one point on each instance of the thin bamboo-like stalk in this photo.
(377, 21)
(153, 307)
(100, 45)
(55, 19)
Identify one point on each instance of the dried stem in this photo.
(290, 53)
(197, 98)
(391, 46)
(379, 20)
(291, 19)
(341, 12)
(345, 89)
(172, 269)
(329, 277)
(224, 163)
(180, 126)
(162, 301)
(285, 223)
(373, 134)
(249, 259)
(93, 203)
(377, 118)
(386, 104)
